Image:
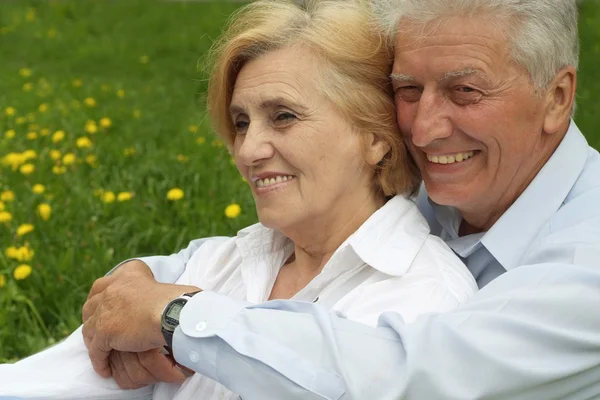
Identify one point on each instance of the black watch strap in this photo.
(169, 329)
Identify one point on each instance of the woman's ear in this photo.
(376, 149)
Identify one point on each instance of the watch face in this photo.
(171, 315)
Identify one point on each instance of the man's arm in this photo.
(533, 333)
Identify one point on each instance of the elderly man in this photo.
(485, 91)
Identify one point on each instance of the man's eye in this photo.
(464, 95)
(284, 116)
(409, 93)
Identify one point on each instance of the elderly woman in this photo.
(303, 99)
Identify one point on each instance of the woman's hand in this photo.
(123, 313)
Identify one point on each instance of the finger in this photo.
(119, 372)
(90, 306)
(88, 331)
(138, 374)
(162, 367)
(99, 285)
(99, 353)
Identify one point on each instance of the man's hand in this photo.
(123, 312)
(136, 370)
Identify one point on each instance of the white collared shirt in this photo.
(391, 263)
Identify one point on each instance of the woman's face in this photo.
(300, 155)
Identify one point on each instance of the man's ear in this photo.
(560, 99)
(376, 149)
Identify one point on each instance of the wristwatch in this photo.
(170, 317)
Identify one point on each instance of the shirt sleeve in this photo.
(62, 372)
(532, 333)
(167, 269)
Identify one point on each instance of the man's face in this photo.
(470, 115)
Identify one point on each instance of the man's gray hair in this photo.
(542, 33)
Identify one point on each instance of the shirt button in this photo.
(201, 326)
(194, 356)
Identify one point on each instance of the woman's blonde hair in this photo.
(357, 60)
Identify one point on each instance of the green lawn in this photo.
(120, 79)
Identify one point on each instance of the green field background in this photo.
(121, 80)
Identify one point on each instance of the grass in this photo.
(137, 61)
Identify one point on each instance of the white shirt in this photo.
(391, 263)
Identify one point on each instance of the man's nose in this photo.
(256, 145)
(431, 121)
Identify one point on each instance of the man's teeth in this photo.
(450, 158)
(272, 181)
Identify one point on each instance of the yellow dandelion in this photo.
(217, 143)
(12, 252)
(43, 107)
(233, 210)
(129, 151)
(181, 158)
(137, 113)
(121, 93)
(10, 111)
(24, 229)
(108, 197)
(69, 159)
(45, 132)
(34, 127)
(2, 281)
(15, 160)
(32, 135)
(38, 188)
(51, 33)
(27, 86)
(201, 140)
(83, 142)
(58, 136)
(29, 155)
(25, 72)
(22, 272)
(7, 195)
(91, 127)
(105, 122)
(20, 120)
(91, 160)
(44, 210)
(144, 59)
(27, 169)
(89, 101)
(30, 16)
(175, 194)
(31, 117)
(193, 128)
(59, 170)
(5, 216)
(2, 206)
(124, 196)
(77, 83)
(55, 154)
(10, 134)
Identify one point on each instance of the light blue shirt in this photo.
(531, 332)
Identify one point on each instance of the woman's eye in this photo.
(241, 126)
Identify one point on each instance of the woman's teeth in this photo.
(450, 158)
(261, 183)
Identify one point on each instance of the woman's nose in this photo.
(255, 146)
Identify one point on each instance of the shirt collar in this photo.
(388, 241)
(510, 237)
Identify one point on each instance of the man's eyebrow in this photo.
(460, 74)
(401, 77)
